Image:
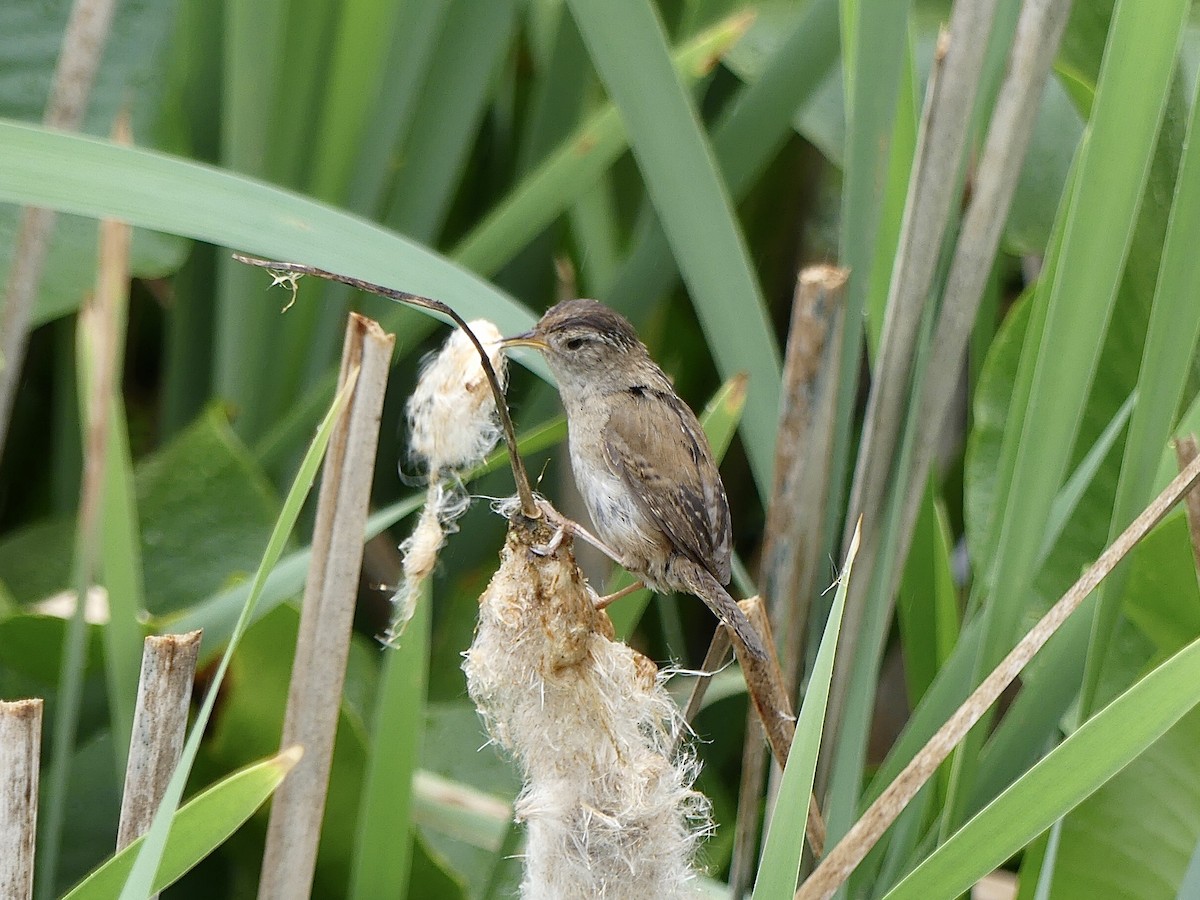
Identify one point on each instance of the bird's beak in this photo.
(528, 339)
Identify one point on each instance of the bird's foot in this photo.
(553, 544)
(561, 524)
(569, 526)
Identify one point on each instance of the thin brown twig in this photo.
(718, 652)
(529, 507)
(1186, 450)
(866, 832)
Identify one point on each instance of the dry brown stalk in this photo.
(319, 668)
(159, 728)
(20, 742)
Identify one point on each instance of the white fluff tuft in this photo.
(452, 413)
(608, 802)
(452, 427)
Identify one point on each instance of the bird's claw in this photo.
(553, 544)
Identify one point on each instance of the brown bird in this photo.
(640, 458)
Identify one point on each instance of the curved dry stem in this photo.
(529, 507)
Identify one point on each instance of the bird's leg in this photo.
(603, 602)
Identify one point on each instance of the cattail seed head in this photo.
(607, 801)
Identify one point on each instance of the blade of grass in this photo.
(197, 829)
(414, 41)
(1170, 342)
(683, 182)
(100, 344)
(1100, 749)
(149, 856)
(253, 46)
(874, 54)
(353, 88)
(557, 92)
(1111, 169)
(121, 565)
(784, 844)
(877, 76)
(927, 603)
(384, 832)
(745, 140)
(575, 165)
(120, 551)
(474, 38)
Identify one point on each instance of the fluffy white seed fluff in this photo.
(452, 414)
(452, 427)
(607, 802)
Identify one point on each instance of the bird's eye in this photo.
(575, 343)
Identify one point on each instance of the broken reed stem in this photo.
(319, 666)
(1186, 450)
(529, 507)
(795, 516)
(79, 56)
(756, 756)
(159, 728)
(20, 743)
(866, 832)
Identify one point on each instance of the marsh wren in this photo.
(640, 459)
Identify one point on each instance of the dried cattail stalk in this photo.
(453, 425)
(608, 801)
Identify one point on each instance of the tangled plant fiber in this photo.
(607, 802)
(452, 427)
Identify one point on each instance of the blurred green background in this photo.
(680, 160)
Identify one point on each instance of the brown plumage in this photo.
(640, 458)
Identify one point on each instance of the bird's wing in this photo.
(689, 504)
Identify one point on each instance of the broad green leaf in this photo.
(200, 826)
(91, 177)
(927, 604)
(30, 41)
(205, 509)
(780, 865)
(1134, 836)
(1161, 595)
(575, 165)
(1070, 773)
